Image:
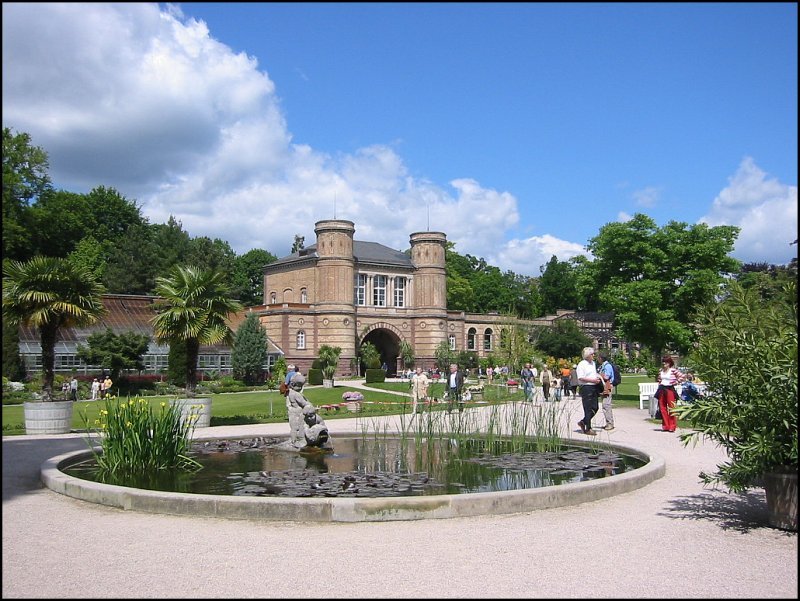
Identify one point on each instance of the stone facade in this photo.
(342, 292)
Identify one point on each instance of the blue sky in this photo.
(517, 129)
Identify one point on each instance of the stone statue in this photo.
(295, 402)
(316, 432)
(307, 430)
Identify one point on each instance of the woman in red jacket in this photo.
(666, 394)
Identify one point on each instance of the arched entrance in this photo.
(388, 344)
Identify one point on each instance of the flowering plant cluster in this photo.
(136, 439)
(475, 388)
(512, 382)
(352, 395)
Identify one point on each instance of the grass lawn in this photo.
(260, 407)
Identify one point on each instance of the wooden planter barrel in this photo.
(54, 417)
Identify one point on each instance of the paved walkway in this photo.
(671, 539)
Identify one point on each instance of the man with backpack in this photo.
(607, 373)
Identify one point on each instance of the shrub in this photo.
(314, 376)
(375, 375)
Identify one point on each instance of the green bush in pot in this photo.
(747, 354)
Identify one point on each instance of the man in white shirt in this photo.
(588, 378)
(455, 382)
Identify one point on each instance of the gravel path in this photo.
(672, 539)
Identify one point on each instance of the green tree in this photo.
(171, 243)
(248, 277)
(93, 255)
(444, 356)
(132, 262)
(557, 286)
(25, 179)
(115, 352)
(515, 347)
(193, 309)
(249, 354)
(50, 293)
(13, 365)
(654, 279)
(298, 244)
(208, 254)
(563, 339)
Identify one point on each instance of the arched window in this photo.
(487, 339)
(273, 298)
(301, 340)
(471, 339)
(452, 340)
(303, 295)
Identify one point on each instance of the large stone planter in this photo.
(54, 417)
(200, 406)
(781, 488)
(327, 383)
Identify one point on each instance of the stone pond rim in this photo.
(351, 509)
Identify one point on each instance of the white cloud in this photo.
(526, 256)
(764, 208)
(646, 197)
(129, 96)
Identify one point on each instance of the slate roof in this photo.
(363, 252)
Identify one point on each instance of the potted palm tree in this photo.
(50, 293)
(329, 361)
(747, 354)
(192, 310)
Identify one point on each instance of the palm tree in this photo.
(50, 293)
(193, 308)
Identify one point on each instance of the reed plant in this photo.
(136, 439)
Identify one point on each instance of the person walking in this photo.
(107, 384)
(573, 381)
(667, 378)
(546, 378)
(557, 388)
(95, 389)
(455, 382)
(607, 373)
(588, 379)
(528, 382)
(419, 389)
(73, 388)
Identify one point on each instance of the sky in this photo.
(517, 129)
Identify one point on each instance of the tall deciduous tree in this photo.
(50, 293)
(563, 339)
(557, 286)
(249, 353)
(25, 179)
(654, 279)
(248, 278)
(193, 309)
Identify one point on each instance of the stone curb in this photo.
(349, 509)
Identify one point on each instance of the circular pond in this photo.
(366, 479)
(374, 467)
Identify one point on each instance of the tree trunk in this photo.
(192, 352)
(48, 341)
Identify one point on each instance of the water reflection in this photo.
(378, 467)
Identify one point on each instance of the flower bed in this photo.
(352, 395)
